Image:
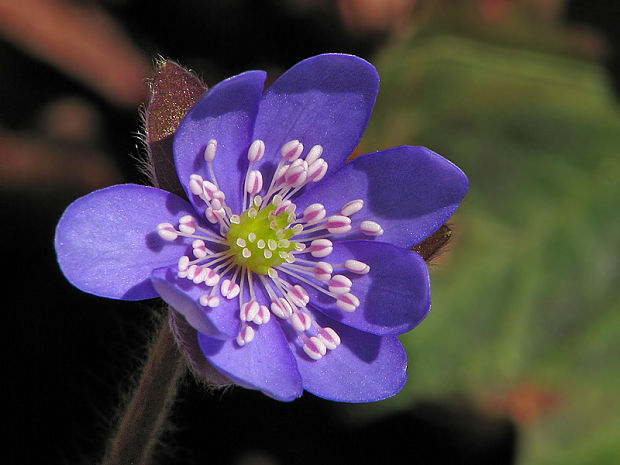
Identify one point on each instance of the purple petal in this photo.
(394, 297)
(410, 191)
(226, 113)
(326, 100)
(265, 364)
(107, 242)
(221, 322)
(363, 368)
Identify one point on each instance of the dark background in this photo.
(71, 84)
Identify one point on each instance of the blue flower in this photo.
(293, 267)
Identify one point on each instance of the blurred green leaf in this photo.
(529, 294)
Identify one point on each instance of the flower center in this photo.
(255, 249)
(259, 239)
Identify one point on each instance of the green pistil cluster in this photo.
(260, 239)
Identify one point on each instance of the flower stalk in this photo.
(142, 421)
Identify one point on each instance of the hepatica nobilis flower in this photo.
(293, 266)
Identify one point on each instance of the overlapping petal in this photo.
(107, 244)
(265, 364)
(183, 295)
(410, 191)
(326, 100)
(363, 368)
(394, 296)
(226, 113)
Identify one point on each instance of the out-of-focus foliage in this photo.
(526, 314)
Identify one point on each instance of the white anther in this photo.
(371, 228)
(255, 182)
(314, 348)
(212, 278)
(210, 215)
(209, 189)
(207, 300)
(283, 205)
(183, 263)
(279, 177)
(319, 169)
(210, 150)
(187, 224)
(301, 321)
(218, 214)
(347, 302)
(313, 213)
(339, 284)
(192, 271)
(314, 154)
(320, 248)
(357, 267)
(216, 204)
(249, 310)
(292, 150)
(195, 184)
(167, 232)
(199, 249)
(323, 271)
(201, 274)
(230, 289)
(300, 294)
(352, 207)
(296, 175)
(245, 336)
(281, 308)
(256, 151)
(263, 316)
(329, 337)
(338, 224)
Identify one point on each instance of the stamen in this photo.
(347, 302)
(329, 337)
(255, 182)
(323, 271)
(340, 284)
(167, 232)
(211, 301)
(210, 150)
(371, 228)
(281, 308)
(357, 267)
(292, 150)
(249, 310)
(314, 154)
(245, 336)
(317, 170)
(263, 316)
(320, 248)
(314, 348)
(256, 151)
(352, 207)
(338, 224)
(301, 321)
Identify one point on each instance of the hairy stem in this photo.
(142, 420)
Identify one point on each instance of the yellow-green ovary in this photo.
(263, 234)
